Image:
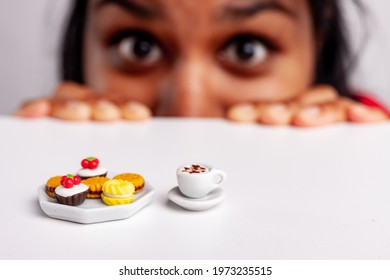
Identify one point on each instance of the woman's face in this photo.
(196, 58)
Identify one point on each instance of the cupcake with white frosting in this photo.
(90, 168)
(71, 192)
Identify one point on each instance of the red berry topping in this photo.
(93, 164)
(90, 163)
(68, 183)
(62, 179)
(76, 180)
(85, 163)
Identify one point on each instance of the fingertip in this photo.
(35, 109)
(275, 114)
(359, 113)
(105, 111)
(307, 117)
(73, 110)
(135, 111)
(314, 116)
(245, 113)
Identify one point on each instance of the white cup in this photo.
(198, 181)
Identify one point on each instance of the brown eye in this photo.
(139, 49)
(244, 51)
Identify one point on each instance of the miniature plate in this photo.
(196, 204)
(94, 210)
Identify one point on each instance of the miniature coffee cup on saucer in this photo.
(196, 180)
(198, 187)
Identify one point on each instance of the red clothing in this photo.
(371, 102)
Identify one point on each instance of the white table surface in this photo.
(290, 194)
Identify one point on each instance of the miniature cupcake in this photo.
(52, 184)
(136, 179)
(71, 192)
(95, 185)
(91, 169)
(116, 192)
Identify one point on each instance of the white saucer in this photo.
(196, 204)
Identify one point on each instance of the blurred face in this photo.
(196, 58)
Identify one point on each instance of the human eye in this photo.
(246, 52)
(136, 51)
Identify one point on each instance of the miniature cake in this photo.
(71, 192)
(91, 169)
(52, 184)
(136, 179)
(95, 185)
(116, 192)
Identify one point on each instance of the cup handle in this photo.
(220, 175)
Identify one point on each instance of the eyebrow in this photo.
(137, 9)
(235, 13)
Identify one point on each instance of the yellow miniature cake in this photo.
(136, 179)
(95, 185)
(52, 184)
(116, 192)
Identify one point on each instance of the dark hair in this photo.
(333, 59)
(334, 56)
(72, 48)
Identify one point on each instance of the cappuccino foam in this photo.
(194, 169)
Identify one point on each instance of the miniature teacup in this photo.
(197, 180)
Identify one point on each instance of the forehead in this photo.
(190, 9)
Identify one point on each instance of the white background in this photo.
(30, 33)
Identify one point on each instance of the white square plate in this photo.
(94, 210)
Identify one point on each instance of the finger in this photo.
(135, 111)
(319, 115)
(320, 94)
(72, 110)
(359, 113)
(242, 113)
(35, 109)
(104, 110)
(275, 114)
(73, 91)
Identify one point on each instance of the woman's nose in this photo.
(187, 91)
